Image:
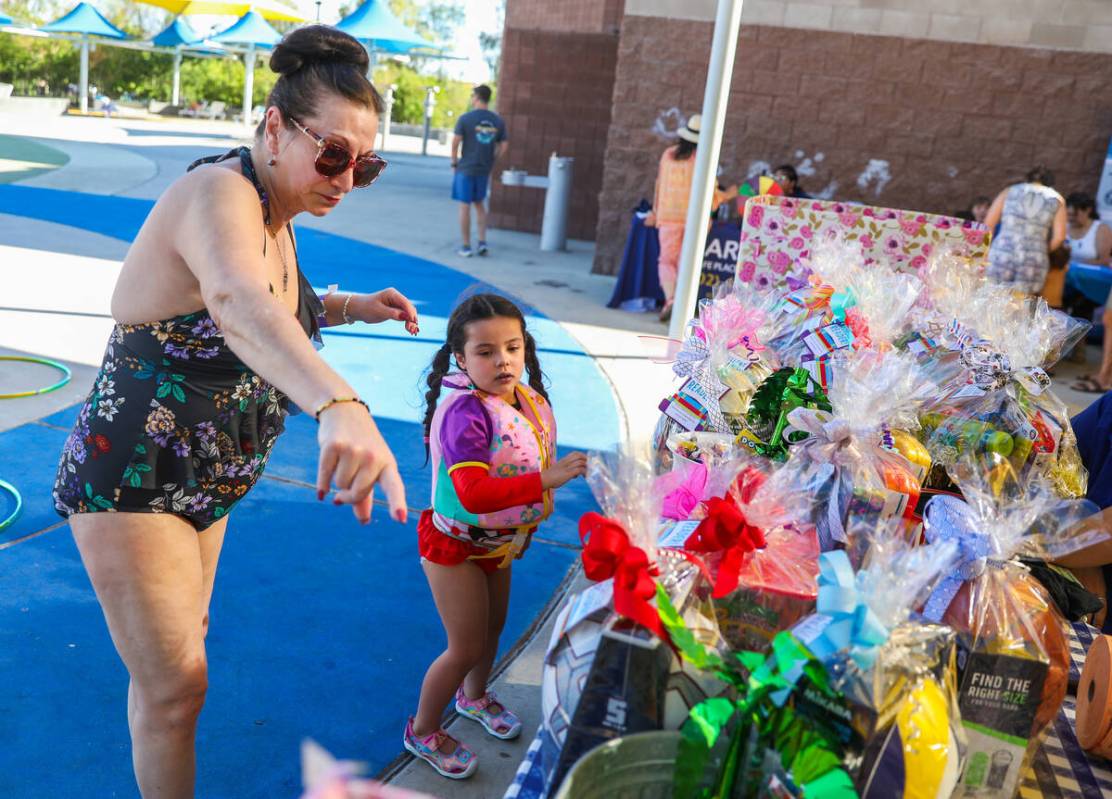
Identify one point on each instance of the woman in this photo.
(213, 337)
(1032, 218)
(1090, 242)
(670, 201)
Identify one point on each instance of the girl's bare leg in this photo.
(498, 589)
(461, 597)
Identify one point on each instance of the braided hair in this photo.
(476, 309)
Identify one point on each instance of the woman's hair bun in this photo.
(317, 44)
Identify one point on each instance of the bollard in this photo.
(557, 198)
(430, 103)
(387, 115)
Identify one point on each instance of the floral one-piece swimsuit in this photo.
(176, 422)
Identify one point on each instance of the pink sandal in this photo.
(489, 712)
(450, 758)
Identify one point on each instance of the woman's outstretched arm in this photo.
(220, 237)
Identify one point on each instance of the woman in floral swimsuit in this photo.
(184, 410)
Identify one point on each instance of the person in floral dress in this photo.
(214, 338)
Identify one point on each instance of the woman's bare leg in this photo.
(461, 597)
(148, 574)
(498, 588)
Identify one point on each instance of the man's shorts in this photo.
(469, 188)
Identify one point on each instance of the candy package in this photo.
(897, 714)
(848, 459)
(1013, 647)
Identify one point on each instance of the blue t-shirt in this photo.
(1093, 428)
(481, 130)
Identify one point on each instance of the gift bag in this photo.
(1013, 651)
(847, 460)
(897, 711)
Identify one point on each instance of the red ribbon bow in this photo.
(726, 530)
(608, 553)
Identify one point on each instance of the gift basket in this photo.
(995, 393)
(761, 559)
(847, 459)
(856, 698)
(609, 648)
(897, 716)
(721, 361)
(1011, 637)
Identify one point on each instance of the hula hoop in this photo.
(66, 375)
(11, 489)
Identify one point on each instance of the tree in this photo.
(490, 42)
(435, 20)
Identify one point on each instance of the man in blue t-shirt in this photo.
(481, 135)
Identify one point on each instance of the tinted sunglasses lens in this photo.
(367, 170)
(332, 160)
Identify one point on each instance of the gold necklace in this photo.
(285, 267)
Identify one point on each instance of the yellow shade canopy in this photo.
(270, 9)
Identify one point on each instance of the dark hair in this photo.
(980, 199)
(1082, 202)
(314, 61)
(475, 309)
(684, 149)
(1040, 174)
(483, 92)
(788, 171)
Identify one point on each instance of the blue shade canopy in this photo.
(86, 20)
(249, 29)
(5, 20)
(374, 24)
(178, 33)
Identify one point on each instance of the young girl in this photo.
(492, 441)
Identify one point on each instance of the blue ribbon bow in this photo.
(949, 519)
(842, 301)
(853, 628)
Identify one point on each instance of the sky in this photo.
(481, 16)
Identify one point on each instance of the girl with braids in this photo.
(492, 442)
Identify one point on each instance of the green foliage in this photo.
(409, 96)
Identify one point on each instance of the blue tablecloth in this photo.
(1093, 281)
(638, 286)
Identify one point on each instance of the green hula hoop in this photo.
(66, 375)
(11, 489)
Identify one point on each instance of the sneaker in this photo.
(464, 252)
(482, 250)
(450, 758)
(489, 712)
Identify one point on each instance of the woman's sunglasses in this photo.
(334, 159)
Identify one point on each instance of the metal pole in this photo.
(386, 116)
(175, 91)
(557, 198)
(727, 24)
(430, 103)
(83, 80)
(248, 83)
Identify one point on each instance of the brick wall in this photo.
(1060, 24)
(555, 93)
(569, 16)
(948, 120)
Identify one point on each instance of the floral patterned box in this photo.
(778, 234)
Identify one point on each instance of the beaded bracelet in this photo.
(335, 401)
(344, 313)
